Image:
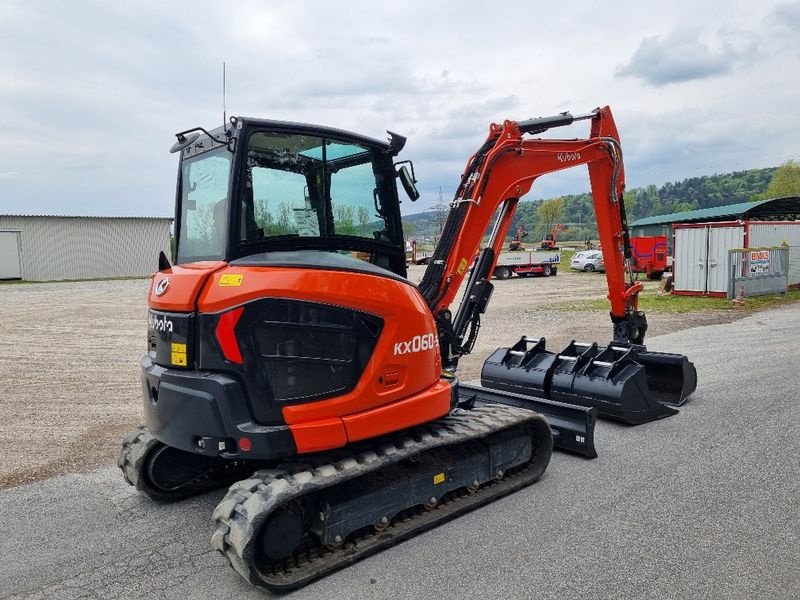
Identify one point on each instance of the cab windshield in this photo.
(300, 187)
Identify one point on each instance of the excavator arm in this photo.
(496, 177)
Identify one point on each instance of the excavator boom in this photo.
(496, 177)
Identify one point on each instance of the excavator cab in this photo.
(259, 186)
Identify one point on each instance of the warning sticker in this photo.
(438, 478)
(462, 266)
(178, 354)
(231, 280)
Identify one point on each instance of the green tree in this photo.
(204, 226)
(408, 229)
(550, 213)
(363, 217)
(785, 182)
(344, 215)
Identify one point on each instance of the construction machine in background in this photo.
(515, 244)
(289, 356)
(550, 241)
(650, 255)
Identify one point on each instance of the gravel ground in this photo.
(703, 504)
(69, 359)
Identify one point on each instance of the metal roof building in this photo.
(50, 247)
(776, 209)
(701, 240)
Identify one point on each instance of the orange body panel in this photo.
(327, 434)
(428, 405)
(185, 282)
(399, 367)
(319, 435)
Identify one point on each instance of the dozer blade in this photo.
(625, 383)
(572, 426)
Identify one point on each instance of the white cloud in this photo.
(93, 91)
(680, 56)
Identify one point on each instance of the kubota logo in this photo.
(568, 156)
(162, 286)
(157, 323)
(419, 343)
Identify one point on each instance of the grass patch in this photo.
(650, 301)
(566, 256)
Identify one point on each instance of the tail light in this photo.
(226, 337)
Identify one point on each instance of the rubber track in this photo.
(248, 504)
(135, 449)
(132, 461)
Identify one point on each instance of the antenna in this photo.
(224, 111)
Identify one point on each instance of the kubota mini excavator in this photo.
(286, 338)
(516, 242)
(550, 240)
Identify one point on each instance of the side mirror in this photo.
(183, 141)
(408, 181)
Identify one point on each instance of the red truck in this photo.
(650, 255)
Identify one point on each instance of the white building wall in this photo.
(55, 248)
(762, 234)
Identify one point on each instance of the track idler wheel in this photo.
(164, 474)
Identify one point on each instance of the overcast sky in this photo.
(91, 93)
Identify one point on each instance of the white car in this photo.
(588, 260)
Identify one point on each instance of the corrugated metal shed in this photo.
(787, 208)
(777, 234)
(57, 247)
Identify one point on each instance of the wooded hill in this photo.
(578, 212)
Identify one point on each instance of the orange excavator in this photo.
(516, 242)
(550, 240)
(289, 356)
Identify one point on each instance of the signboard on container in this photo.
(759, 261)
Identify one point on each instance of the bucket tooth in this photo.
(625, 383)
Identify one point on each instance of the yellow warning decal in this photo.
(438, 478)
(178, 354)
(231, 280)
(462, 266)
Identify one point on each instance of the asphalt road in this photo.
(705, 504)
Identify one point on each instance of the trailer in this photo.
(650, 255)
(525, 263)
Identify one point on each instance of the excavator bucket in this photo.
(627, 384)
(671, 377)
